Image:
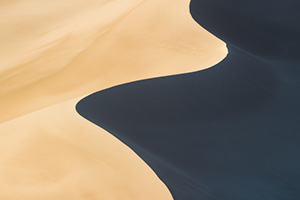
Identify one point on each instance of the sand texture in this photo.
(229, 132)
(93, 47)
(53, 53)
(55, 154)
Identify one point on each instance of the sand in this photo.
(52, 54)
(54, 153)
(227, 132)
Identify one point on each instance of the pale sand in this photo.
(54, 153)
(55, 51)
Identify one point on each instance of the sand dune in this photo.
(85, 50)
(54, 52)
(227, 132)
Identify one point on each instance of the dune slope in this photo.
(55, 52)
(54, 154)
(227, 132)
(94, 46)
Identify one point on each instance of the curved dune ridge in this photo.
(227, 132)
(55, 52)
(91, 46)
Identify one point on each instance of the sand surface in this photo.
(55, 52)
(54, 153)
(231, 131)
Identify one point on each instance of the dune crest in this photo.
(228, 132)
(52, 54)
(105, 44)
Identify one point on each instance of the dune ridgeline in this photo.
(53, 53)
(228, 132)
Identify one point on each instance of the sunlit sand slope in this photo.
(55, 154)
(55, 51)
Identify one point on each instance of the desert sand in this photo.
(54, 153)
(53, 53)
(229, 132)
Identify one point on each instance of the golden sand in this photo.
(54, 153)
(55, 52)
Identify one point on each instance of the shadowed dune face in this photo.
(268, 28)
(227, 132)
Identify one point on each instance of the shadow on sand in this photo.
(231, 131)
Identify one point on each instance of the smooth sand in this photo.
(54, 153)
(54, 52)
